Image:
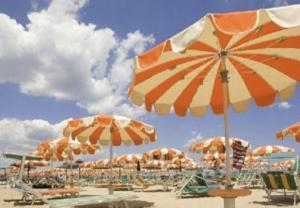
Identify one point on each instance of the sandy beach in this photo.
(156, 198)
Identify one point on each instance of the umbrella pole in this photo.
(110, 189)
(228, 202)
(22, 168)
(224, 77)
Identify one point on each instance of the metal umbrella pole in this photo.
(110, 188)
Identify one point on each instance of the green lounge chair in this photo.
(247, 178)
(280, 180)
(196, 185)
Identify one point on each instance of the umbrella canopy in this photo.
(215, 144)
(106, 164)
(259, 48)
(104, 129)
(222, 60)
(213, 157)
(89, 164)
(163, 154)
(267, 150)
(292, 131)
(110, 130)
(64, 148)
(129, 159)
(154, 164)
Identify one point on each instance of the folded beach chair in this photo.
(115, 200)
(196, 185)
(280, 180)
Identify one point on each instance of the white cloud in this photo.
(58, 56)
(195, 136)
(282, 105)
(24, 136)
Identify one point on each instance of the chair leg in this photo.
(284, 193)
(269, 196)
(295, 198)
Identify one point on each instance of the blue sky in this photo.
(72, 58)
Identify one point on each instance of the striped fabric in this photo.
(239, 154)
(291, 131)
(128, 159)
(163, 154)
(272, 181)
(214, 144)
(258, 50)
(64, 149)
(103, 129)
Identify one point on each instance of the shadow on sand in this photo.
(279, 201)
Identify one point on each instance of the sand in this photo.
(10, 198)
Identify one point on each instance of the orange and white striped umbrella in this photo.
(259, 48)
(222, 60)
(110, 130)
(129, 159)
(64, 148)
(90, 164)
(103, 129)
(182, 161)
(105, 164)
(266, 150)
(154, 164)
(163, 154)
(213, 157)
(292, 131)
(215, 144)
(191, 166)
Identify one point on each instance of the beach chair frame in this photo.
(280, 181)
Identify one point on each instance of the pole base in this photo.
(229, 202)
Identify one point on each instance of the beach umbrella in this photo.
(212, 157)
(179, 163)
(110, 130)
(64, 149)
(155, 164)
(291, 131)
(269, 149)
(214, 144)
(220, 61)
(129, 159)
(191, 166)
(163, 154)
(106, 164)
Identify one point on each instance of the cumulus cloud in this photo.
(58, 56)
(282, 105)
(24, 136)
(195, 136)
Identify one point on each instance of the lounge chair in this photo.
(196, 185)
(37, 194)
(247, 179)
(280, 180)
(124, 185)
(112, 200)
